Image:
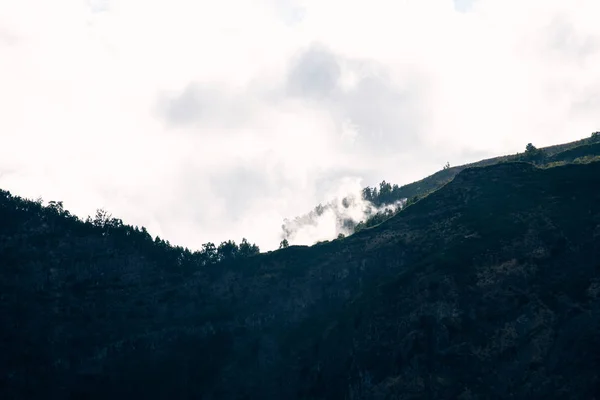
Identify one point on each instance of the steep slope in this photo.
(487, 288)
(383, 201)
(562, 152)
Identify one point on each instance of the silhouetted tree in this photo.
(56, 206)
(369, 193)
(209, 253)
(532, 153)
(101, 219)
(385, 193)
(227, 251)
(246, 249)
(284, 243)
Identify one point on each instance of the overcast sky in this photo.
(215, 120)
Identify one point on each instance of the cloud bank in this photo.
(215, 121)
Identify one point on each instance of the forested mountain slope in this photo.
(385, 200)
(487, 288)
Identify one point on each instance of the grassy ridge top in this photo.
(563, 152)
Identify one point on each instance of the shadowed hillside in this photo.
(487, 288)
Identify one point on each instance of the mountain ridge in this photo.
(470, 292)
(388, 199)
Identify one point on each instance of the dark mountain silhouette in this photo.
(486, 288)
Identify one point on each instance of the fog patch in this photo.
(339, 215)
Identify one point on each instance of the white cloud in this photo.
(343, 209)
(170, 113)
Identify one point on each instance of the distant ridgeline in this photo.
(53, 219)
(388, 199)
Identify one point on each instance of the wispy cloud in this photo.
(344, 208)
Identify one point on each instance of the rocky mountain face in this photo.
(487, 288)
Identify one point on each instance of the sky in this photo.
(216, 120)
